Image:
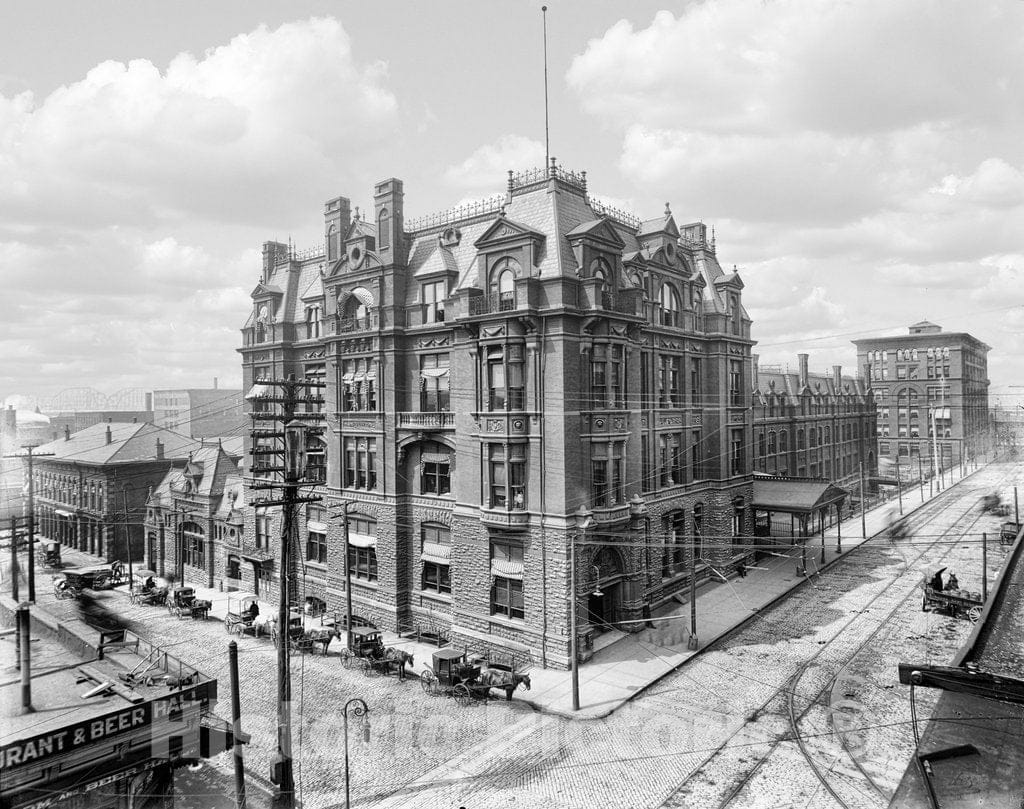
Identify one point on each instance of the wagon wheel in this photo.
(974, 613)
(462, 694)
(428, 681)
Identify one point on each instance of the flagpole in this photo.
(547, 148)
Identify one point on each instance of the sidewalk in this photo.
(619, 672)
(623, 669)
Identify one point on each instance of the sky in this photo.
(862, 162)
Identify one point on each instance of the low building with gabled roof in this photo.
(91, 486)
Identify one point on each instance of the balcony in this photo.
(611, 515)
(502, 518)
(439, 420)
(349, 325)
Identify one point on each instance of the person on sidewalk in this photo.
(741, 570)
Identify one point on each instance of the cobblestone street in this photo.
(719, 729)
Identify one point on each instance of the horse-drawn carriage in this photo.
(453, 675)
(956, 602)
(241, 618)
(993, 504)
(182, 602)
(71, 582)
(51, 555)
(301, 639)
(1008, 532)
(367, 652)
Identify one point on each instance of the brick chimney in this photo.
(754, 358)
(110, 435)
(67, 433)
(837, 376)
(803, 369)
(159, 450)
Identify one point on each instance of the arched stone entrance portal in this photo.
(606, 582)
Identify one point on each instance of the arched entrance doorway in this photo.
(604, 590)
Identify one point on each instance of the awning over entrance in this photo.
(795, 496)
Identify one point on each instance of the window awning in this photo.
(62, 513)
(312, 525)
(437, 552)
(437, 560)
(433, 373)
(348, 377)
(362, 540)
(795, 496)
(435, 457)
(507, 570)
(257, 391)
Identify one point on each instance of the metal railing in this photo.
(620, 216)
(468, 211)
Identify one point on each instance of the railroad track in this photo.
(906, 583)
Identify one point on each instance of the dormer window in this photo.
(669, 301)
(433, 295)
(503, 283)
(312, 322)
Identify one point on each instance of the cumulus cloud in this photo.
(866, 155)
(487, 167)
(213, 136)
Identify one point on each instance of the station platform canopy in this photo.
(796, 495)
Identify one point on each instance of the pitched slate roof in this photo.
(795, 496)
(128, 443)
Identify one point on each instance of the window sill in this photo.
(509, 623)
(445, 598)
(315, 566)
(372, 585)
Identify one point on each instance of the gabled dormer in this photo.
(360, 242)
(597, 248)
(654, 234)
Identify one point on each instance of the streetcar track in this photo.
(934, 511)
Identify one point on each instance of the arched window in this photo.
(383, 229)
(668, 299)
(800, 439)
(762, 445)
(332, 243)
(784, 441)
(503, 283)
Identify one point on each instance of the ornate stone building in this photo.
(504, 380)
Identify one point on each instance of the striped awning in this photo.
(433, 373)
(507, 570)
(362, 540)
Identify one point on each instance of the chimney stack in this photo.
(215, 383)
(110, 435)
(754, 358)
(159, 450)
(837, 376)
(803, 369)
(67, 433)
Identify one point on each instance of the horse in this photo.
(322, 636)
(399, 658)
(507, 680)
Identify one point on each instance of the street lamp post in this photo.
(357, 708)
(584, 520)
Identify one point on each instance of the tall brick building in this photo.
(813, 425)
(923, 379)
(491, 371)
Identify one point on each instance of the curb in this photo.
(743, 621)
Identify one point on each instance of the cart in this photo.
(958, 603)
(364, 643)
(240, 619)
(296, 632)
(182, 602)
(51, 555)
(452, 675)
(71, 582)
(1008, 532)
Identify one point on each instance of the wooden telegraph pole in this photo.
(289, 433)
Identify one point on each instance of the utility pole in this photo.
(127, 536)
(920, 476)
(31, 516)
(289, 435)
(899, 485)
(14, 562)
(863, 503)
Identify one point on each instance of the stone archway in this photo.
(606, 580)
